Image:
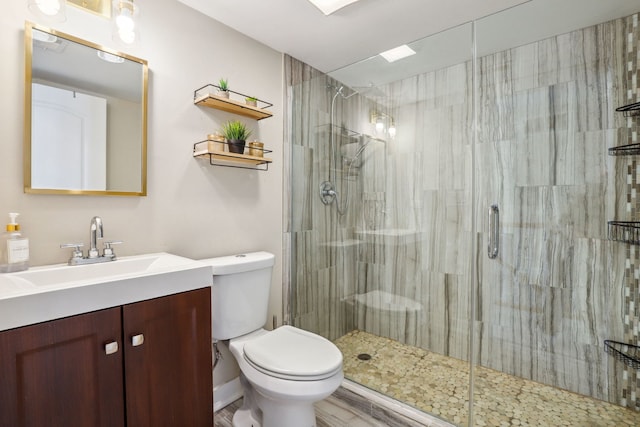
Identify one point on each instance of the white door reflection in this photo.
(77, 158)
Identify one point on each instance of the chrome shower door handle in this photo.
(494, 232)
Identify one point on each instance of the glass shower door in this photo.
(382, 266)
(557, 288)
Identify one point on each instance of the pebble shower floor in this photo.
(439, 385)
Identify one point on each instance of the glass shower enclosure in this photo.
(449, 217)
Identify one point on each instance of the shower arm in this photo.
(332, 155)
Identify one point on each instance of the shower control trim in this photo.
(327, 192)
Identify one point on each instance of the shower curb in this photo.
(385, 408)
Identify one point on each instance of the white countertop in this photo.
(51, 292)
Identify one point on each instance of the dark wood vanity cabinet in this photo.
(69, 373)
(58, 374)
(168, 377)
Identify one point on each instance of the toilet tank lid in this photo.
(240, 263)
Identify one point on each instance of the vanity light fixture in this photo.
(109, 57)
(43, 37)
(397, 53)
(380, 120)
(50, 10)
(47, 41)
(329, 6)
(123, 15)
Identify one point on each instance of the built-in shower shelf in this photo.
(625, 150)
(626, 353)
(625, 231)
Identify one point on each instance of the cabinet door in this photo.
(168, 372)
(57, 374)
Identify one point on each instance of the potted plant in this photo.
(252, 101)
(223, 88)
(236, 134)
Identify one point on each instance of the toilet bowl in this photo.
(284, 371)
(287, 371)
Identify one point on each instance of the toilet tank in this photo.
(239, 293)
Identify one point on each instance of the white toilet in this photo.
(284, 371)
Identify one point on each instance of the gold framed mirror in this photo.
(85, 129)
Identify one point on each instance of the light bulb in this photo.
(124, 21)
(49, 10)
(392, 130)
(124, 27)
(49, 7)
(379, 125)
(127, 36)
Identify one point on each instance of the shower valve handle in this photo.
(327, 192)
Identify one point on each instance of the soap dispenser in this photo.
(14, 247)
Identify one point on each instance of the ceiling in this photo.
(358, 31)
(346, 44)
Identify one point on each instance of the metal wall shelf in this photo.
(207, 96)
(231, 160)
(625, 231)
(630, 110)
(625, 150)
(626, 353)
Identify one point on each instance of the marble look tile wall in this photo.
(544, 308)
(558, 289)
(630, 383)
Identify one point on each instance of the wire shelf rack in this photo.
(625, 150)
(625, 231)
(626, 353)
(630, 110)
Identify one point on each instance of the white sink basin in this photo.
(64, 275)
(51, 292)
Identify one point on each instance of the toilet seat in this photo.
(293, 354)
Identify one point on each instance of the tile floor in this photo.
(342, 409)
(438, 385)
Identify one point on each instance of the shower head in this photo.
(339, 90)
(352, 152)
(370, 91)
(366, 140)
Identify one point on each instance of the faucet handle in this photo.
(108, 250)
(77, 252)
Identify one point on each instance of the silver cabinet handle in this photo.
(111, 347)
(494, 232)
(137, 340)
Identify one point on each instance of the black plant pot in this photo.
(236, 145)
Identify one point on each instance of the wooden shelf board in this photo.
(225, 156)
(232, 106)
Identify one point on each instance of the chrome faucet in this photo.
(93, 254)
(95, 233)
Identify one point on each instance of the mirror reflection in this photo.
(85, 117)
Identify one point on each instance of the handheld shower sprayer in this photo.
(328, 192)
